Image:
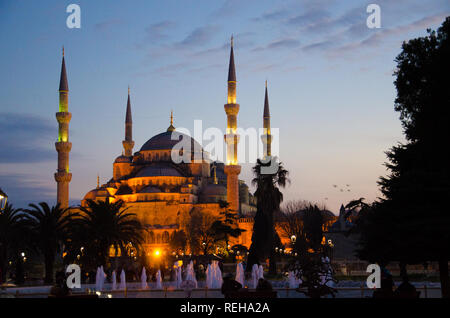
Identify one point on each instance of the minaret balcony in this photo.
(231, 109)
(63, 117)
(63, 176)
(231, 139)
(63, 146)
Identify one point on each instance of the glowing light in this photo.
(157, 253)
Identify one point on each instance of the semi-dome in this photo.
(159, 170)
(96, 194)
(150, 189)
(168, 139)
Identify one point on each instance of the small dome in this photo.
(123, 190)
(123, 159)
(91, 195)
(97, 193)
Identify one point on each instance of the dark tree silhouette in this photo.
(109, 225)
(269, 198)
(414, 217)
(50, 229)
(13, 236)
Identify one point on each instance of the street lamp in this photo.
(293, 238)
(3, 199)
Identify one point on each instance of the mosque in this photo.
(160, 192)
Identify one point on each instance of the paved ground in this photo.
(346, 289)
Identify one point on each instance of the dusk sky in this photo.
(330, 80)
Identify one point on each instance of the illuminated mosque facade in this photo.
(160, 192)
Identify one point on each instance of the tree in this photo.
(109, 225)
(178, 241)
(269, 198)
(201, 235)
(50, 229)
(226, 226)
(306, 221)
(13, 235)
(414, 215)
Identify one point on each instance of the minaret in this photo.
(266, 137)
(63, 146)
(128, 143)
(232, 169)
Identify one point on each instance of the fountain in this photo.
(190, 275)
(158, 280)
(100, 279)
(214, 275)
(293, 280)
(178, 274)
(240, 277)
(260, 272)
(144, 284)
(209, 277)
(255, 276)
(123, 283)
(114, 281)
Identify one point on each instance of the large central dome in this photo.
(167, 140)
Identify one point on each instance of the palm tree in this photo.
(269, 198)
(50, 228)
(12, 230)
(108, 224)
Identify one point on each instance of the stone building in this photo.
(162, 193)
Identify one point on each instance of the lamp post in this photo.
(3, 199)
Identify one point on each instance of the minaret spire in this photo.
(128, 143)
(231, 77)
(171, 127)
(266, 137)
(63, 146)
(232, 169)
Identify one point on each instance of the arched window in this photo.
(151, 238)
(165, 237)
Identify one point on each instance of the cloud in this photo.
(23, 189)
(107, 24)
(157, 31)
(285, 43)
(273, 15)
(26, 138)
(229, 8)
(288, 43)
(381, 35)
(199, 36)
(318, 45)
(312, 17)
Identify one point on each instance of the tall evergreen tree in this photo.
(414, 216)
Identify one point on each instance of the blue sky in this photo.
(330, 84)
